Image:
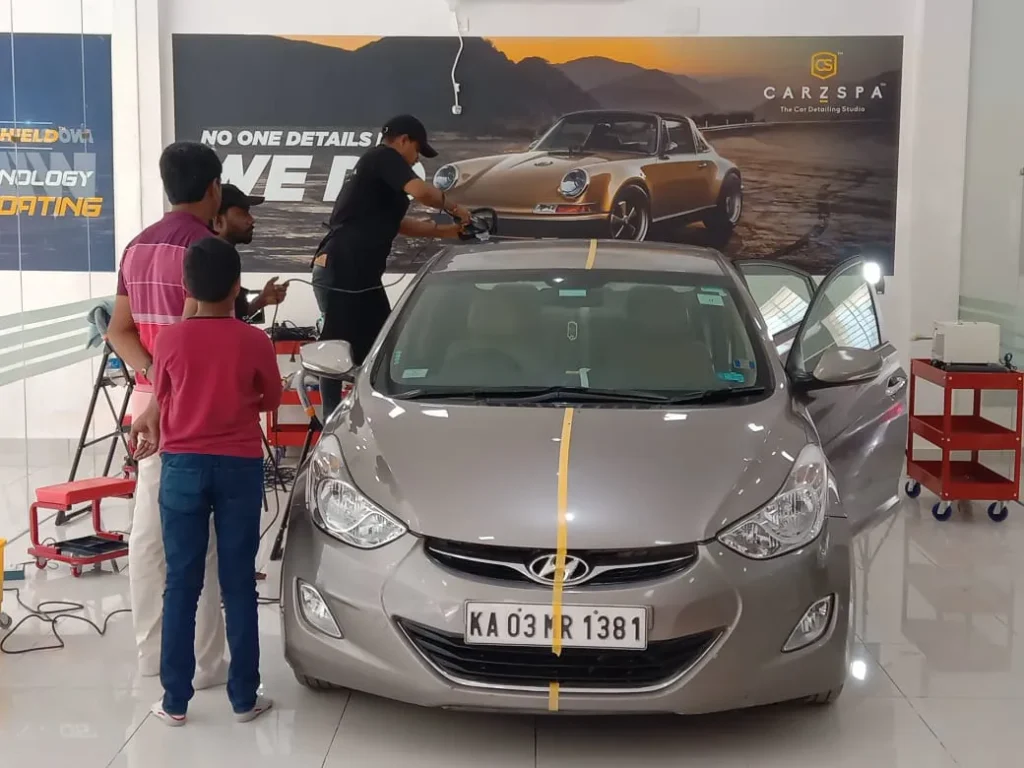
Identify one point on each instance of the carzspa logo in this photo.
(825, 98)
(825, 65)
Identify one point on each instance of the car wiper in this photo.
(710, 396)
(539, 395)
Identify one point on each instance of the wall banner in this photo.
(759, 147)
(56, 153)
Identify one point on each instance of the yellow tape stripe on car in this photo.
(553, 697)
(562, 543)
(592, 255)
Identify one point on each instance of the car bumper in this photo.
(754, 605)
(533, 226)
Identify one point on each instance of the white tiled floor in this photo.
(937, 680)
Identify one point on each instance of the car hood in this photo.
(637, 476)
(535, 172)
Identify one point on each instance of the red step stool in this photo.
(85, 550)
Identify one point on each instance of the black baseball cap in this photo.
(407, 125)
(233, 197)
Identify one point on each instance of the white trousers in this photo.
(147, 572)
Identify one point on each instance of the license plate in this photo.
(583, 626)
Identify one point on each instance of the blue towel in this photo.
(99, 319)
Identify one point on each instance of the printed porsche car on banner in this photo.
(782, 148)
(603, 174)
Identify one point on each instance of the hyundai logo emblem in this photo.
(542, 570)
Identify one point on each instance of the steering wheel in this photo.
(483, 222)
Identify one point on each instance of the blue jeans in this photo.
(191, 487)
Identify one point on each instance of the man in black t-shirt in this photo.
(369, 213)
(235, 224)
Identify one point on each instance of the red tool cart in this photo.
(964, 480)
(289, 434)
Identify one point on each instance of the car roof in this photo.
(575, 254)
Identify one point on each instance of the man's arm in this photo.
(432, 197)
(398, 175)
(123, 335)
(428, 228)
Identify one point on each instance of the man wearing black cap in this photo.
(235, 224)
(369, 213)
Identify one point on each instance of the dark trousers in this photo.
(356, 318)
(320, 278)
(191, 487)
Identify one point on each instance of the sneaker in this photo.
(213, 679)
(173, 721)
(262, 705)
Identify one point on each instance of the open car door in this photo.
(863, 425)
(783, 294)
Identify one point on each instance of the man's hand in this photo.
(273, 293)
(144, 439)
(449, 231)
(460, 213)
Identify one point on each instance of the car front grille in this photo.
(574, 669)
(606, 567)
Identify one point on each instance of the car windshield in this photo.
(584, 334)
(596, 133)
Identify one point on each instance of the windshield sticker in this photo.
(710, 299)
(572, 293)
(415, 373)
(730, 376)
(397, 357)
(741, 364)
(584, 374)
(712, 289)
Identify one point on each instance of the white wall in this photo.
(937, 36)
(993, 258)
(930, 195)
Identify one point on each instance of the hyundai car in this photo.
(595, 477)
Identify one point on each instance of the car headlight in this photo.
(337, 506)
(793, 519)
(574, 184)
(447, 176)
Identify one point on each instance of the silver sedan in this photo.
(596, 478)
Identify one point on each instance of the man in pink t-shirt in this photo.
(150, 297)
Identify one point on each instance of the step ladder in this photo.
(111, 375)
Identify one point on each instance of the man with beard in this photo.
(235, 224)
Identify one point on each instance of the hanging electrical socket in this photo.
(461, 19)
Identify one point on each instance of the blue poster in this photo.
(56, 153)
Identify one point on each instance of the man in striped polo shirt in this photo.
(151, 296)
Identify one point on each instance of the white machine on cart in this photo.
(960, 343)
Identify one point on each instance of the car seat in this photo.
(498, 351)
(662, 349)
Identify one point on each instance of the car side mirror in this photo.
(839, 366)
(328, 359)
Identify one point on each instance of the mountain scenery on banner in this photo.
(807, 129)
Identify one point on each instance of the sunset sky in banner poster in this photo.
(695, 56)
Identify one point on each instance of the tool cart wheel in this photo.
(5, 621)
(41, 562)
(76, 572)
(942, 511)
(998, 512)
(912, 488)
